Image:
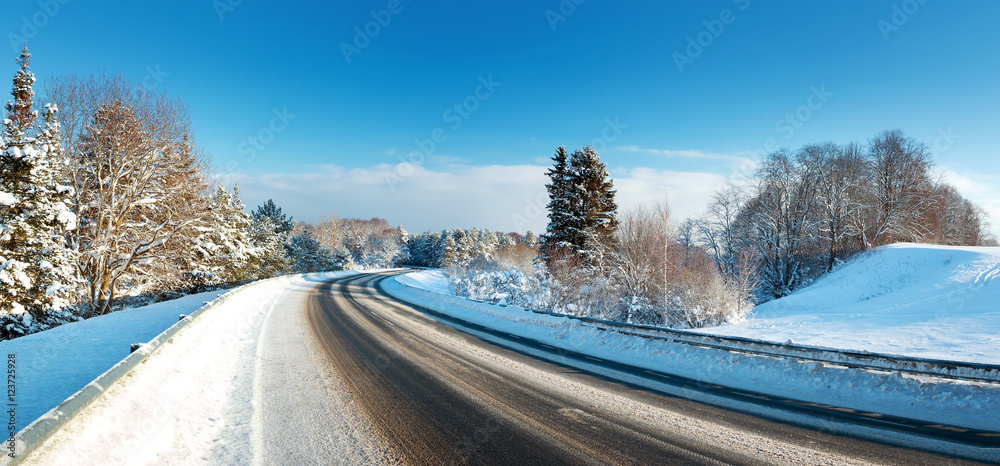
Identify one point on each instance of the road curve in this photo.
(442, 396)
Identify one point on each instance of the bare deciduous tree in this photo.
(902, 190)
(137, 178)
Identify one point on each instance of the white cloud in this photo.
(687, 193)
(983, 190)
(499, 197)
(693, 154)
(742, 164)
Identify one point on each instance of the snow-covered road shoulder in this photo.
(173, 407)
(966, 404)
(54, 364)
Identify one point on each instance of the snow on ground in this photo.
(938, 302)
(54, 364)
(971, 405)
(430, 280)
(241, 384)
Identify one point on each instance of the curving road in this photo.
(438, 395)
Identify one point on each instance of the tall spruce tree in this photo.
(582, 208)
(557, 233)
(37, 269)
(594, 210)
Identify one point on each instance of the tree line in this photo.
(799, 215)
(803, 212)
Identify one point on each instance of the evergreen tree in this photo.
(582, 208)
(272, 258)
(449, 252)
(308, 255)
(224, 249)
(594, 219)
(403, 251)
(282, 222)
(530, 238)
(37, 269)
(557, 232)
(506, 243)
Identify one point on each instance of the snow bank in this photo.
(971, 405)
(54, 364)
(928, 301)
(430, 280)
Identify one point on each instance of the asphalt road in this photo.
(439, 395)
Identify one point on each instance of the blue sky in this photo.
(282, 109)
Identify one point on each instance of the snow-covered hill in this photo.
(911, 299)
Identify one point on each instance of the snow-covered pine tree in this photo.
(424, 249)
(506, 242)
(308, 255)
(530, 239)
(582, 208)
(282, 222)
(449, 255)
(488, 243)
(557, 233)
(270, 248)
(224, 249)
(403, 239)
(594, 217)
(37, 268)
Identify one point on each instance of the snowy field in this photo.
(54, 364)
(918, 300)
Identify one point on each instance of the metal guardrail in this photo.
(958, 370)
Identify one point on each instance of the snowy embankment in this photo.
(966, 404)
(927, 301)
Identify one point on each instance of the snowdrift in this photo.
(940, 302)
